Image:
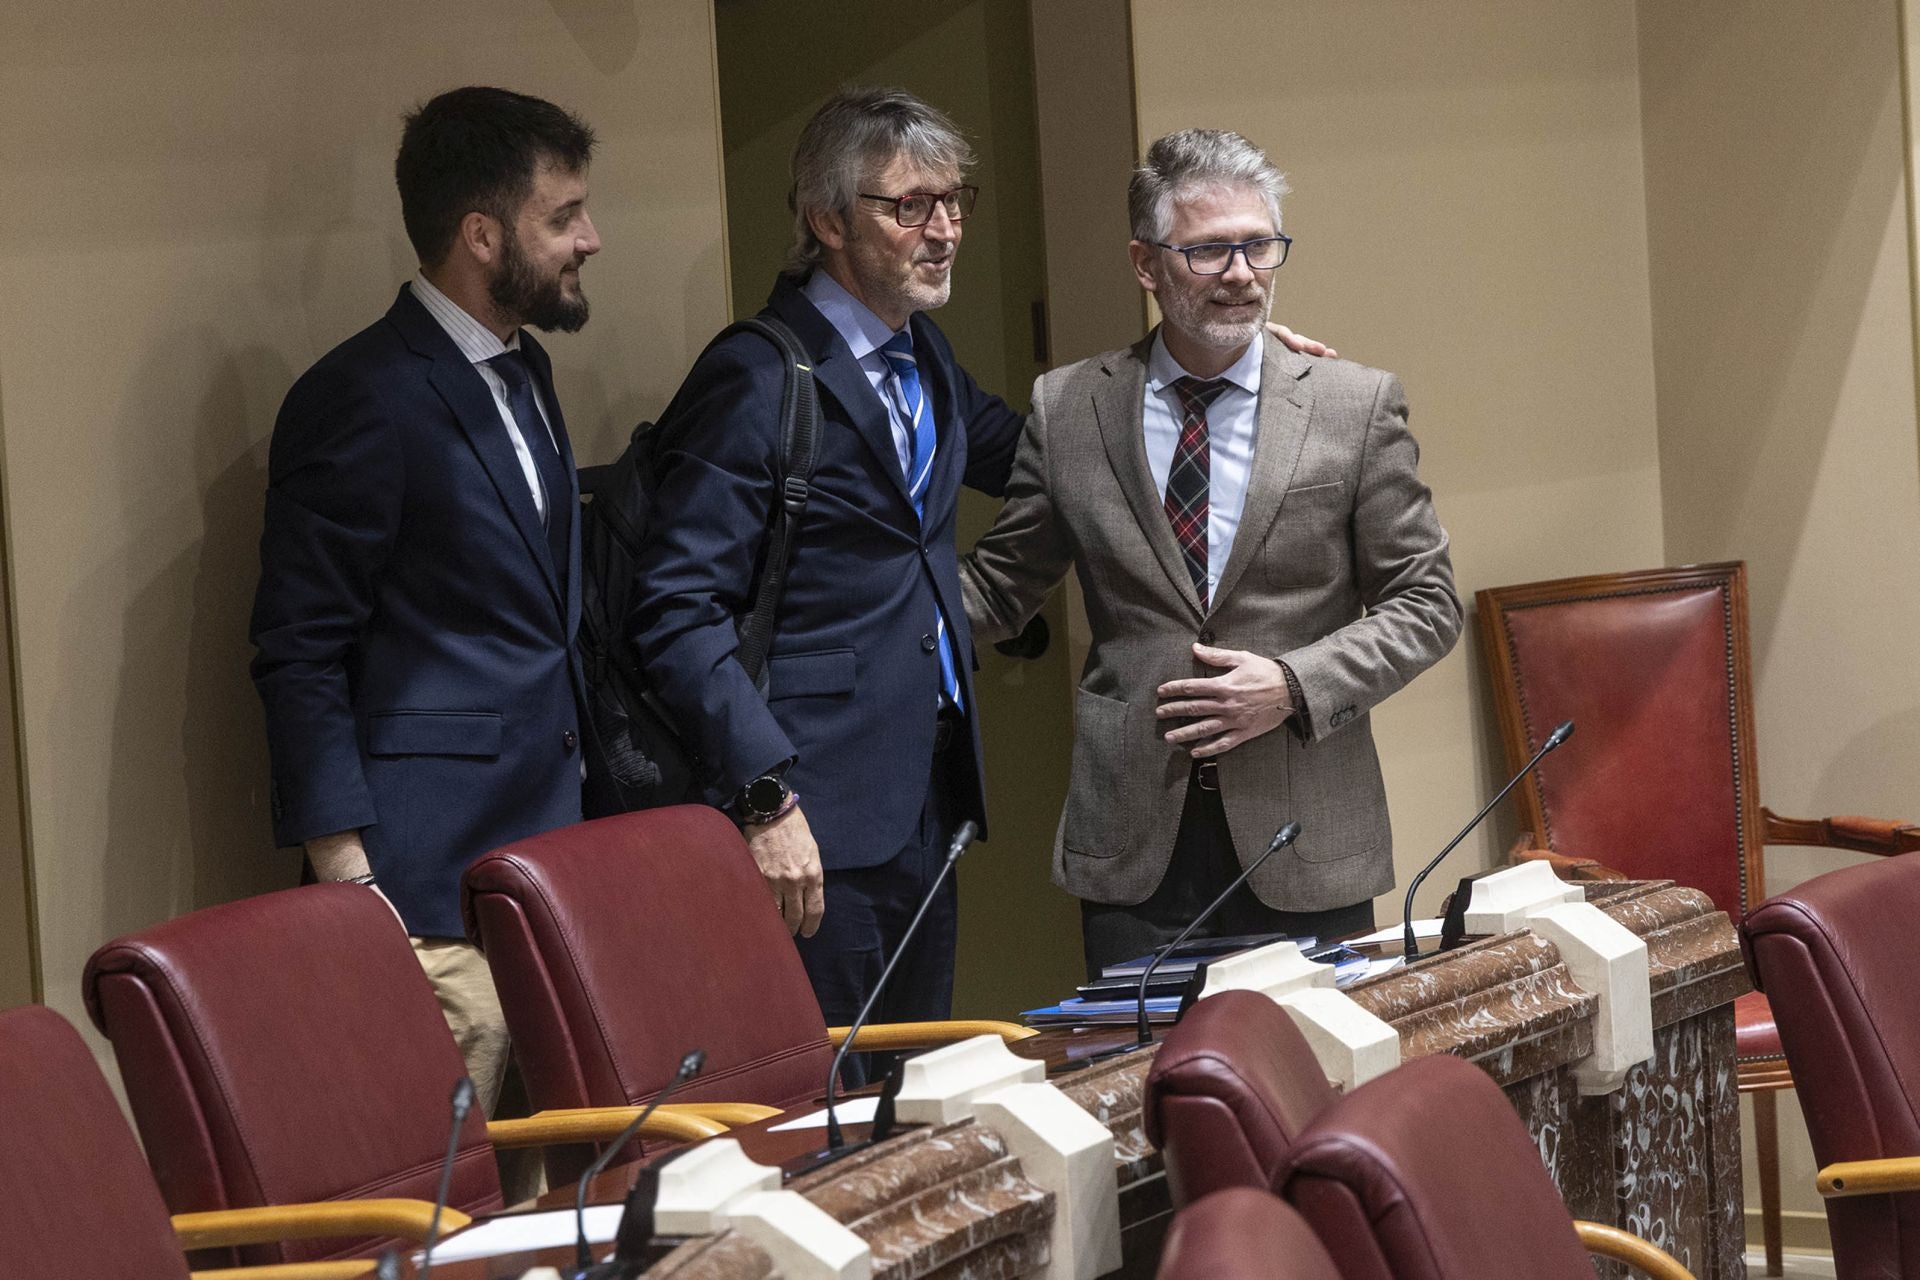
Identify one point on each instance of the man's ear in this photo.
(828, 228)
(1142, 255)
(481, 236)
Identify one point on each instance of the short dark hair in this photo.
(478, 148)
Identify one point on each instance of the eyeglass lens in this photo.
(917, 210)
(1214, 259)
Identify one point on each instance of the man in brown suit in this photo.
(1256, 550)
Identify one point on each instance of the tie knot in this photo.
(1196, 394)
(512, 368)
(898, 349)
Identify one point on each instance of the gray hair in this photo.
(1194, 159)
(857, 133)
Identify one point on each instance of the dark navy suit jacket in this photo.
(853, 675)
(415, 644)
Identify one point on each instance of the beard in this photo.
(519, 289)
(884, 282)
(1191, 310)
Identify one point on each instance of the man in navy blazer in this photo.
(419, 585)
(864, 756)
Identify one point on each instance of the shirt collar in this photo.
(862, 331)
(1163, 370)
(476, 342)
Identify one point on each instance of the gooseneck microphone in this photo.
(1554, 739)
(462, 1103)
(582, 1251)
(961, 839)
(1281, 839)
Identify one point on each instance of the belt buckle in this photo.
(1206, 775)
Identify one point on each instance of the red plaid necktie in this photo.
(1186, 499)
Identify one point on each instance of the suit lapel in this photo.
(943, 401)
(543, 377)
(1286, 404)
(1119, 408)
(471, 403)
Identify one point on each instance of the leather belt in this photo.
(1205, 775)
(945, 730)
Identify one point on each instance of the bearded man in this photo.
(1258, 554)
(420, 563)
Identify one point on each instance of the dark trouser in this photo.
(1203, 865)
(869, 908)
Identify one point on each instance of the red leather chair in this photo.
(1661, 781)
(1243, 1234)
(289, 1048)
(1427, 1174)
(1231, 1087)
(621, 943)
(76, 1197)
(1836, 957)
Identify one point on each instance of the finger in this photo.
(816, 910)
(1219, 657)
(1199, 687)
(1193, 732)
(792, 909)
(1191, 707)
(1224, 743)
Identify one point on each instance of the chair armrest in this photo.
(1869, 1177)
(925, 1035)
(224, 1228)
(349, 1269)
(1847, 831)
(730, 1114)
(598, 1124)
(1565, 865)
(1611, 1242)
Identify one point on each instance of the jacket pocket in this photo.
(1094, 822)
(434, 733)
(826, 673)
(1308, 541)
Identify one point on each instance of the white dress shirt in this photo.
(1233, 422)
(478, 344)
(865, 333)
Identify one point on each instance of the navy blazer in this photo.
(853, 676)
(415, 643)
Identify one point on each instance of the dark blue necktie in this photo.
(513, 370)
(898, 351)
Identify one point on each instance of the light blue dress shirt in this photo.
(1233, 423)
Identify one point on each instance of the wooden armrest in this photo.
(223, 1228)
(598, 1124)
(346, 1270)
(726, 1113)
(1565, 865)
(1869, 1177)
(1846, 831)
(1611, 1242)
(924, 1035)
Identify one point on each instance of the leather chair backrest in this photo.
(1230, 1089)
(75, 1196)
(1836, 956)
(1659, 778)
(1243, 1233)
(619, 944)
(1427, 1174)
(287, 1048)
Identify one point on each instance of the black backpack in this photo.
(634, 751)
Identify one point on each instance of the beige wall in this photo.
(200, 203)
(1468, 211)
(1778, 221)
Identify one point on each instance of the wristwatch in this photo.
(762, 800)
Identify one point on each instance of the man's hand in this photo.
(1247, 701)
(342, 856)
(1295, 342)
(790, 861)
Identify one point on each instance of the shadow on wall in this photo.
(606, 31)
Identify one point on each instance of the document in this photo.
(1394, 932)
(852, 1111)
(519, 1232)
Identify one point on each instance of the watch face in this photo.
(764, 795)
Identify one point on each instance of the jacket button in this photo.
(1206, 635)
(569, 740)
(928, 644)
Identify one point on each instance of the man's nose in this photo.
(588, 241)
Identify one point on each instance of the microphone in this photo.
(961, 839)
(582, 1251)
(1281, 839)
(1554, 739)
(462, 1103)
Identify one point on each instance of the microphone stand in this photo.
(582, 1251)
(462, 1103)
(1554, 739)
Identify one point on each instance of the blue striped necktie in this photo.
(906, 372)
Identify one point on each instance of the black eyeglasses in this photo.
(916, 208)
(1215, 259)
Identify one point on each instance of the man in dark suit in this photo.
(419, 586)
(863, 757)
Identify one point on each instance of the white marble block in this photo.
(1062, 1148)
(1608, 959)
(1272, 970)
(938, 1087)
(1501, 901)
(804, 1242)
(698, 1184)
(1352, 1045)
